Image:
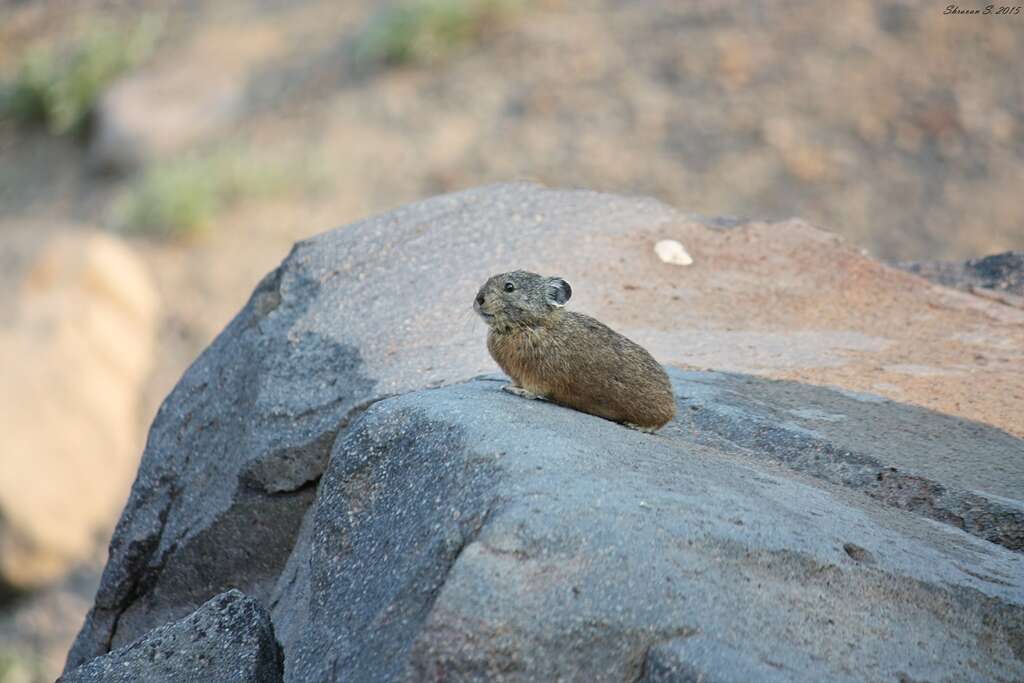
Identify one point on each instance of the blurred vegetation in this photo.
(429, 30)
(59, 87)
(180, 198)
(16, 669)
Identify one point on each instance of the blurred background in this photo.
(156, 159)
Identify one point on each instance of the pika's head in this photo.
(520, 299)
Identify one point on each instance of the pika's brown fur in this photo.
(570, 358)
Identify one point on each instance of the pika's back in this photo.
(570, 358)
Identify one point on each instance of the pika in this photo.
(570, 358)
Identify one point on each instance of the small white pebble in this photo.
(670, 251)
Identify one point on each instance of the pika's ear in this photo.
(558, 291)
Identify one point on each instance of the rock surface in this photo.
(969, 476)
(465, 534)
(382, 308)
(227, 640)
(70, 438)
(998, 272)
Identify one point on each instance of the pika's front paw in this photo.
(519, 391)
(645, 430)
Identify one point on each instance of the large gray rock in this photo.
(227, 640)
(466, 534)
(381, 308)
(350, 317)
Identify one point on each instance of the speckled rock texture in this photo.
(325, 456)
(227, 640)
(942, 467)
(467, 534)
(998, 272)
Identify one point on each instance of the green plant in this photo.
(180, 198)
(428, 30)
(58, 88)
(15, 668)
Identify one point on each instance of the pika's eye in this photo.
(509, 287)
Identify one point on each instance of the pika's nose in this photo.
(479, 299)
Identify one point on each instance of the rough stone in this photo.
(696, 659)
(464, 534)
(236, 449)
(86, 303)
(383, 307)
(970, 476)
(229, 640)
(998, 272)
